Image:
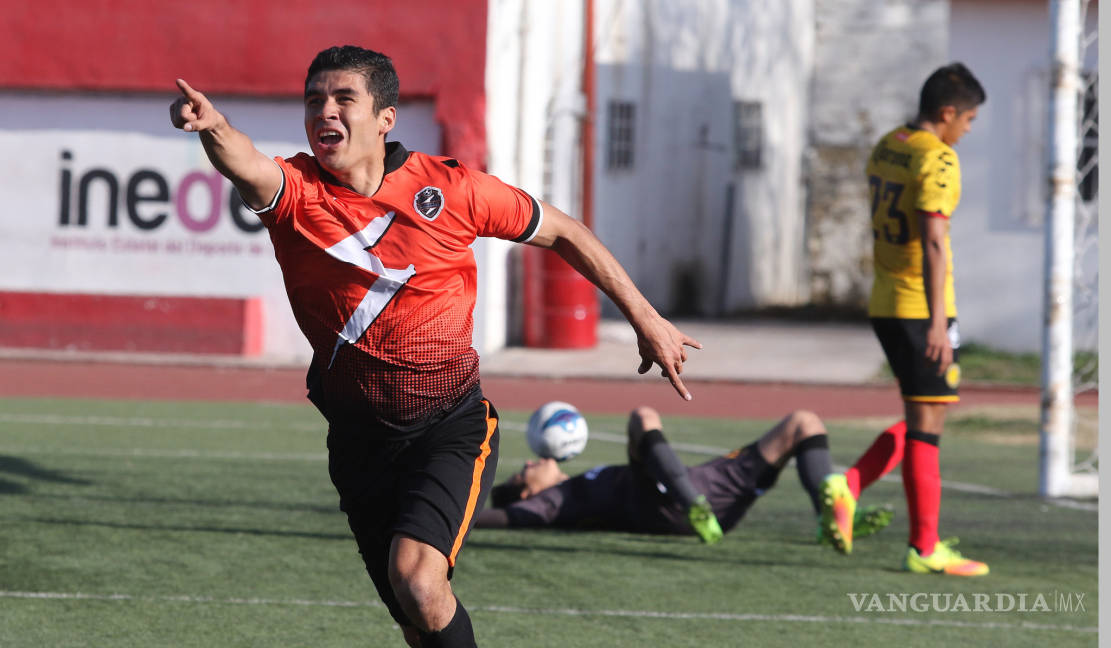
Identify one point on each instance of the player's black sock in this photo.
(664, 466)
(458, 633)
(813, 463)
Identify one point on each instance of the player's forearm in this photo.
(234, 155)
(933, 276)
(492, 518)
(586, 254)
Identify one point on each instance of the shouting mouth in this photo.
(328, 139)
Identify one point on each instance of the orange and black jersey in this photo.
(383, 286)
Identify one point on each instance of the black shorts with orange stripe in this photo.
(904, 344)
(429, 487)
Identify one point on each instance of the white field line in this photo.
(502, 609)
(146, 422)
(179, 453)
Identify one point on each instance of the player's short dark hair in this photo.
(376, 68)
(950, 85)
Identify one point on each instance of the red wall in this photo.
(70, 322)
(252, 47)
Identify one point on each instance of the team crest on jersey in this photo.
(429, 202)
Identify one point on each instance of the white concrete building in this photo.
(730, 140)
(728, 151)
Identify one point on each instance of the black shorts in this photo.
(732, 483)
(429, 487)
(904, 344)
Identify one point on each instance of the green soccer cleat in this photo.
(868, 520)
(943, 560)
(703, 521)
(838, 511)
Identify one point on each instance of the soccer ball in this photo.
(557, 431)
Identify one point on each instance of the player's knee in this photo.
(806, 424)
(417, 589)
(644, 418)
(419, 585)
(641, 420)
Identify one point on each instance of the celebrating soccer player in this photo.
(373, 242)
(915, 183)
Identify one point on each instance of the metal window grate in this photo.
(748, 134)
(620, 134)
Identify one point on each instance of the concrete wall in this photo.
(998, 231)
(698, 236)
(534, 115)
(871, 59)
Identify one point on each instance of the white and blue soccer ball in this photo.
(557, 431)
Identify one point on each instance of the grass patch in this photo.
(171, 524)
(980, 363)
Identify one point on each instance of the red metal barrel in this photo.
(560, 305)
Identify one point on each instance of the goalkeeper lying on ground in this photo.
(656, 493)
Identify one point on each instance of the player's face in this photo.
(343, 128)
(539, 474)
(957, 125)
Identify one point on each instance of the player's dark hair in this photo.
(950, 85)
(376, 68)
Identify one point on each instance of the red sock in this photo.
(884, 454)
(922, 484)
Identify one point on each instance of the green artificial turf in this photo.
(184, 524)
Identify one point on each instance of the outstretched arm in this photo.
(658, 340)
(492, 518)
(256, 176)
(535, 477)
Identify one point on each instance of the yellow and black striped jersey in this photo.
(910, 171)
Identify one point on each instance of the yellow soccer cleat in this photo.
(838, 510)
(943, 560)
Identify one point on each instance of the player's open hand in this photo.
(659, 342)
(192, 111)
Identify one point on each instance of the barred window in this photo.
(748, 134)
(620, 134)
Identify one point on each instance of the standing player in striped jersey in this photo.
(915, 182)
(373, 242)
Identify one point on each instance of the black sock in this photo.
(664, 466)
(813, 463)
(458, 633)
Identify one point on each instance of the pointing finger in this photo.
(187, 90)
(677, 383)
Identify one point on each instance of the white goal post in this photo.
(1071, 118)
